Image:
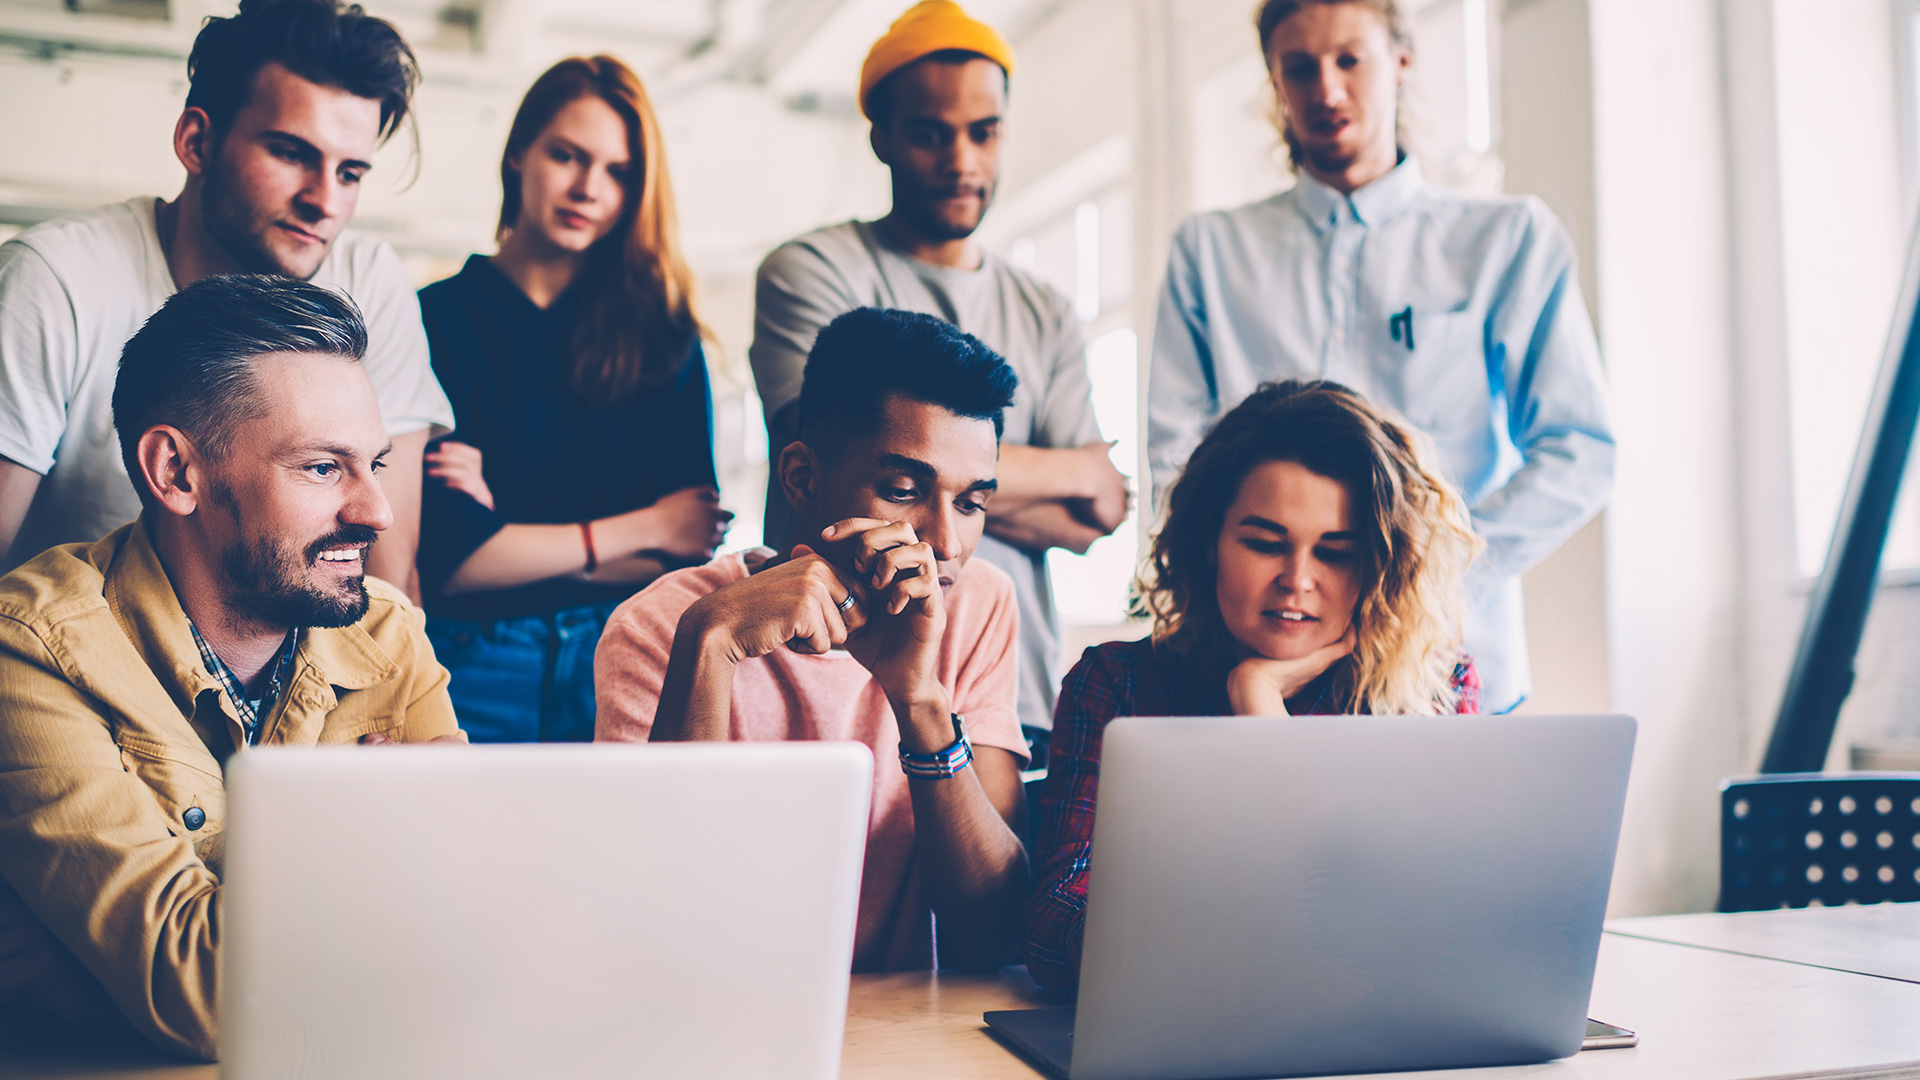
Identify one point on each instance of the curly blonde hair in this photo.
(1416, 541)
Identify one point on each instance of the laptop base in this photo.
(1044, 1035)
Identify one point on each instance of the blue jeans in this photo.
(528, 679)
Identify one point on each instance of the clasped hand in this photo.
(893, 627)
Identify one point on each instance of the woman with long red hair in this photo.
(582, 466)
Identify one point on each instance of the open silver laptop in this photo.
(552, 911)
(1279, 897)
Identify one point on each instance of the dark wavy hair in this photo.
(321, 41)
(868, 354)
(1416, 540)
(191, 366)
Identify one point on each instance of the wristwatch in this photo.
(941, 764)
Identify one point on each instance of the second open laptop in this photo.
(1339, 894)
(550, 911)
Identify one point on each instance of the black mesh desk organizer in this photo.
(1794, 839)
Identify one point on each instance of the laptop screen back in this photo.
(683, 910)
(1345, 894)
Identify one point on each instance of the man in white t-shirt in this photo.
(289, 99)
(935, 87)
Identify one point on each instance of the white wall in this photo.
(1842, 240)
(1673, 533)
(1651, 591)
(1547, 151)
(1742, 283)
(99, 129)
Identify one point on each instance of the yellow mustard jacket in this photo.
(111, 729)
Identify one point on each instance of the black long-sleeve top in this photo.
(548, 456)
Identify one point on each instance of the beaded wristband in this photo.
(941, 764)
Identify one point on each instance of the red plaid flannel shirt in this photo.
(1122, 678)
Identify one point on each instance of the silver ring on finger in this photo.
(846, 605)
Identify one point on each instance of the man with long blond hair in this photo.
(1461, 313)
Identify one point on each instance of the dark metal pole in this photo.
(1823, 664)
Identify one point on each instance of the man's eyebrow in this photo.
(311, 150)
(925, 472)
(919, 469)
(340, 450)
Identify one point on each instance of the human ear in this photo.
(171, 467)
(799, 467)
(882, 142)
(193, 140)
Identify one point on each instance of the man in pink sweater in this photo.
(872, 627)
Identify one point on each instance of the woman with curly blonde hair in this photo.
(1310, 563)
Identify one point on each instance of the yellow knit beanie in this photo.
(930, 26)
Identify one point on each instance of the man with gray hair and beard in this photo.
(234, 612)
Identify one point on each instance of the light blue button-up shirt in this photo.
(1460, 312)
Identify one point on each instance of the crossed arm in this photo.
(1064, 498)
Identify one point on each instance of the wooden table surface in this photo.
(1702, 1014)
(1877, 939)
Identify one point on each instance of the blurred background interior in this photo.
(1739, 177)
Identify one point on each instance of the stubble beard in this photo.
(271, 582)
(233, 223)
(1325, 159)
(933, 226)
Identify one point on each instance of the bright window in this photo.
(1091, 589)
(1843, 242)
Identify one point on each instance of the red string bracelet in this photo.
(586, 537)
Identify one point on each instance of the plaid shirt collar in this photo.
(250, 711)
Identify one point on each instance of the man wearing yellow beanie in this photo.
(935, 88)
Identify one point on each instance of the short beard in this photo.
(1326, 164)
(228, 220)
(270, 583)
(931, 225)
